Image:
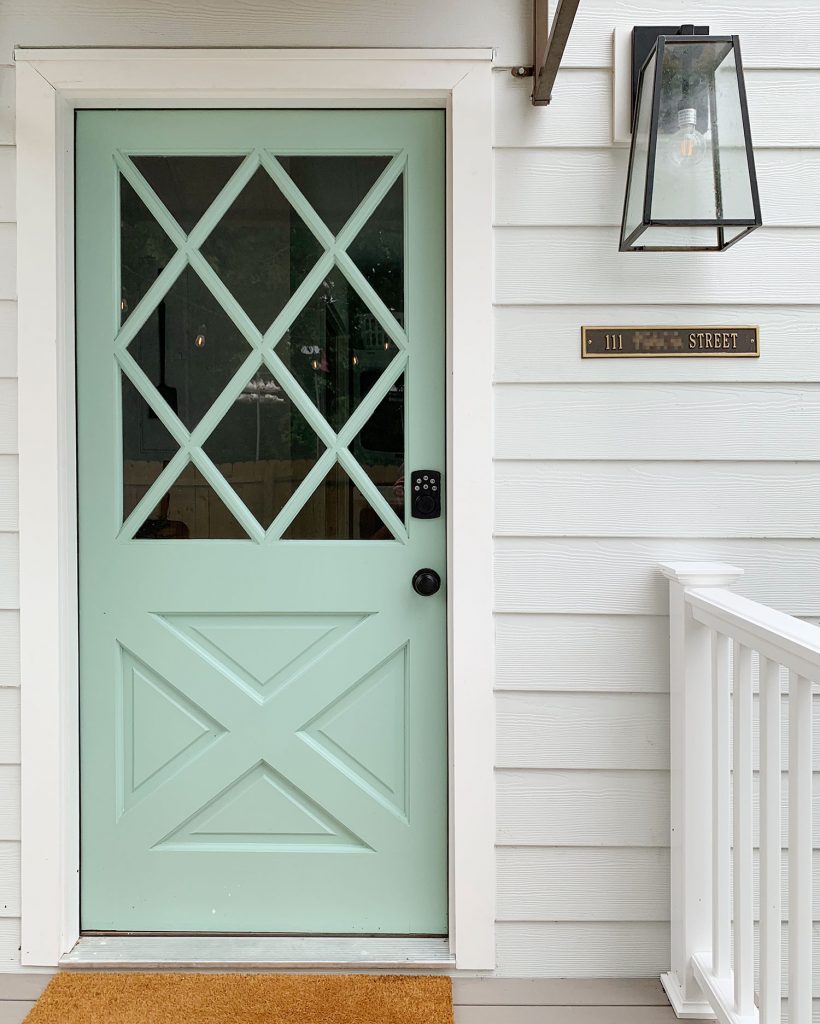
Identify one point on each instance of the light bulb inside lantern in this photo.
(687, 146)
(199, 340)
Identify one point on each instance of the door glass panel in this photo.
(147, 446)
(189, 348)
(379, 447)
(264, 447)
(262, 250)
(145, 249)
(334, 185)
(190, 510)
(336, 349)
(187, 185)
(337, 510)
(378, 250)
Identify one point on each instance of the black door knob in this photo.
(426, 582)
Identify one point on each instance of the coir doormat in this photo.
(132, 998)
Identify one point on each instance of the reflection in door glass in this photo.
(145, 249)
(334, 185)
(337, 510)
(189, 348)
(190, 510)
(264, 447)
(187, 185)
(336, 349)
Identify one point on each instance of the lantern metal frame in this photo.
(720, 223)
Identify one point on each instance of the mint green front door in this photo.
(260, 371)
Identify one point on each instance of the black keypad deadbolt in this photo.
(425, 494)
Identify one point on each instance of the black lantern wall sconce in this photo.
(691, 185)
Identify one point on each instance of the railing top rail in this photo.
(780, 637)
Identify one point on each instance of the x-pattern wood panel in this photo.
(262, 346)
(267, 738)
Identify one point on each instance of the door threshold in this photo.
(258, 952)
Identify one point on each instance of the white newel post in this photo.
(690, 710)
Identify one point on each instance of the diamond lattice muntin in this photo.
(262, 346)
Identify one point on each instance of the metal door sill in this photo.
(249, 952)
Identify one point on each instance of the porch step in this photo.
(248, 951)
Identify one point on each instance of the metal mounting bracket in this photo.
(548, 47)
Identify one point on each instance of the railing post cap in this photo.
(701, 574)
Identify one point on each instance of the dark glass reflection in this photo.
(378, 250)
(334, 185)
(189, 348)
(379, 447)
(337, 510)
(147, 447)
(145, 249)
(262, 250)
(336, 349)
(191, 510)
(187, 185)
(264, 447)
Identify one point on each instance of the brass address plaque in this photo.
(646, 342)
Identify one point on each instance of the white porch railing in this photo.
(714, 632)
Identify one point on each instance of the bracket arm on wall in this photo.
(548, 47)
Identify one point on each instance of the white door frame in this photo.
(51, 84)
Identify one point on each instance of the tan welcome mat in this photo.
(104, 998)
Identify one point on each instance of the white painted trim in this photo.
(51, 84)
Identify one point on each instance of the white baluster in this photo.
(770, 894)
(800, 850)
(743, 925)
(721, 808)
(691, 782)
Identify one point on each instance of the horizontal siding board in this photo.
(9, 943)
(621, 576)
(9, 648)
(793, 44)
(8, 416)
(582, 730)
(8, 183)
(278, 23)
(8, 493)
(582, 652)
(543, 344)
(660, 422)
(583, 884)
(543, 265)
(405, 23)
(601, 884)
(657, 499)
(9, 810)
(8, 339)
(784, 109)
(585, 187)
(614, 949)
(9, 725)
(9, 881)
(8, 261)
(582, 808)
(7, 101)
(9, 572)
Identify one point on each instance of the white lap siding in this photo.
(603, 467)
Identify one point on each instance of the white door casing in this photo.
(51, 84)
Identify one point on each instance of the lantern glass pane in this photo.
(640, 151)
(701, 167)
(732, 158)
(679, 237)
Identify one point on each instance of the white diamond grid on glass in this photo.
(262, 359)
